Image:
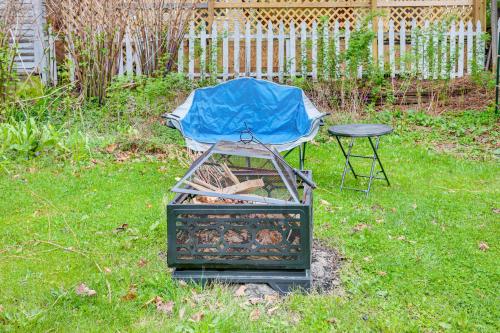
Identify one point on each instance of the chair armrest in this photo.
(168, 120)
(322, 122)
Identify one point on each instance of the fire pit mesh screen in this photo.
(241, 172)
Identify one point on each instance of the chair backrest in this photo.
(275, 113)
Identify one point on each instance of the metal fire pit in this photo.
(243, 241)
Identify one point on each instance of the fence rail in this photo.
(438, 50)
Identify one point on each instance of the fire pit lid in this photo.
(243, 172)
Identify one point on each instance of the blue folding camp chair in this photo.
(278, 116)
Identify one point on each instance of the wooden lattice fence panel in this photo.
(342, 11)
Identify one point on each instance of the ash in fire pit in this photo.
(242, 215)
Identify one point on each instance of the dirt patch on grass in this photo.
(325, 268)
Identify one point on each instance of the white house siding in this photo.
(29, 34)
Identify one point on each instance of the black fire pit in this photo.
(242, 215)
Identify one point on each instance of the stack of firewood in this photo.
(221, 180)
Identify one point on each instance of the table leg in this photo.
(347, 163)
(345, 156)
(375, 150)
(374, 158)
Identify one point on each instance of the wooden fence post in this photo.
(373, 7)
(210, 18)
(479, 11)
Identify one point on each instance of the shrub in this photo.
(8, 48)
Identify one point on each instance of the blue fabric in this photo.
(275, 114)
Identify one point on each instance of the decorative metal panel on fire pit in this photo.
(239, 236)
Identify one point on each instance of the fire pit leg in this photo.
(284, 282)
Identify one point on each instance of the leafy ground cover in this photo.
(82, 242)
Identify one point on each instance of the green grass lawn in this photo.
(415, 265)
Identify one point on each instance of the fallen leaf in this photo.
(95, 161)
(496, 210)
(367, 259)
(153, 300)
(107, 270)
(271, 298)
(111, 148)
(401, 238)
(269, 237)
(324, 202)
(149, 205)
(240, 291)
(235, 237)
(83, 290)
(254, 300)
(271, 311)
(121, 228)
(131, 294)
(123, 156)
(198, 298)
(182, 311)
(294, 317)
(483, 246)
(376, 207)
(382, 273)
(1, 308)
(142, 262)
(182, 283)
(165, 307)
(332, 321)
(393, 209)
(360, 226)
(379, 221)
(197, 317)
(414, 206)
(255, 315)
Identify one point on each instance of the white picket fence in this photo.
(458, 47)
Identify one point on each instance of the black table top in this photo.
(360, 130)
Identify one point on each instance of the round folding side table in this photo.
(368, 131)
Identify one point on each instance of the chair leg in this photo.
(347, 163)
(302, 155)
